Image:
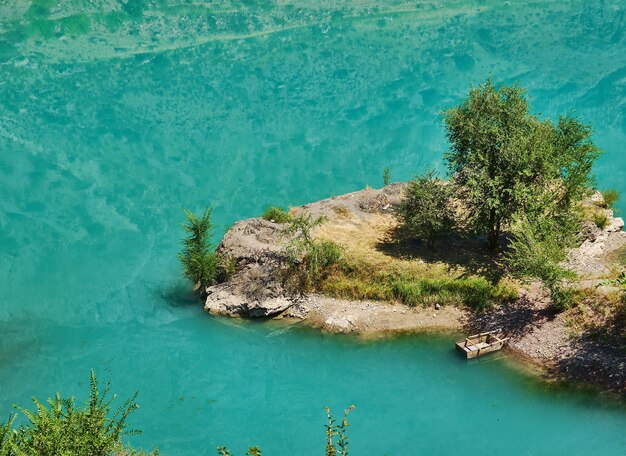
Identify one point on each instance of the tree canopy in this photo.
(506, 161)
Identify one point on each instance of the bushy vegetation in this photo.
(610, 197)
(199, 261)
(276, 214)
(63, 428)
(201, 264)
(425, 211)
(600, 220)
(537, 250)
(309, 259)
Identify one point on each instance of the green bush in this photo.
(276, 214)
(424, 211)
(198, 259)
(600, 219)
(537, 250)
(322, 255)
(562, 297)
(68, 430)
(610, 197)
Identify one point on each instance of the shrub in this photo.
(386, 176)
(197, 257)
(536, 251)
(610, 197)
(322, 255)
(309, 259)
(68, 430)
(562, 297)
(276, 214)
(600, 219)
(424, 212)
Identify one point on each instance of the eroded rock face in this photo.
(258, 245)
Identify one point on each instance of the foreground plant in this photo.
(63, 428)
(337, 441)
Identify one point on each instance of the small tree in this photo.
(198, 259)
(482, 131)
(425, 210)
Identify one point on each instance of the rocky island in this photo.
(562, 344)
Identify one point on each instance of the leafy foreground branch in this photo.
(64, 429)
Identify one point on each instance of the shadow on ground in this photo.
(455, 250)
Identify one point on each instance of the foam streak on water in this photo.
(114, 116)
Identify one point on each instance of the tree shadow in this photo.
(457, 250)
(596, 359)
(513, 318)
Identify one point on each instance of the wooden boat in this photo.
(481, 344)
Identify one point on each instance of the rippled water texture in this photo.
(114, 116)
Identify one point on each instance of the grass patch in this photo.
(473, 292)
(600, 219)
(276, 215)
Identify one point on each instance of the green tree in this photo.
(484, 131)
(425, 211)
(199, 261)
(575, 154)
(504, 159)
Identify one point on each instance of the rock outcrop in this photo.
(256, 289)
(595, 257)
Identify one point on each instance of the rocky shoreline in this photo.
(536, 334)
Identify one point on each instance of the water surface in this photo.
(114, 116)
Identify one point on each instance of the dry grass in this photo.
(379, 268)
(362, 237)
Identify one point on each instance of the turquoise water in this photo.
(114, 116)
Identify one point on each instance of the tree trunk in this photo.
(493, 237)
